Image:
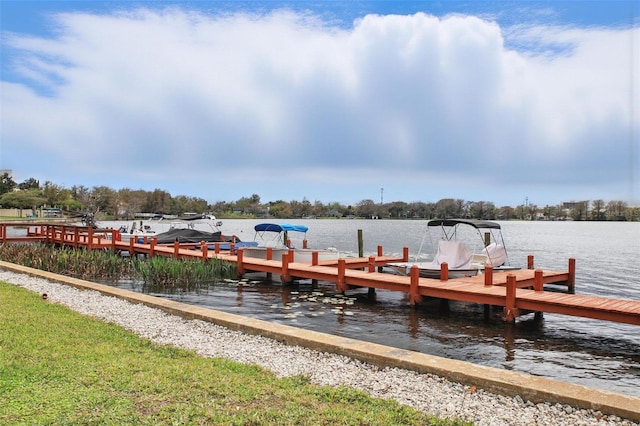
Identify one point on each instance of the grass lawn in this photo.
(60, 367)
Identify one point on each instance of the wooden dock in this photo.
(515, 291)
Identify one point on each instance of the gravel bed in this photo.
(425, 392)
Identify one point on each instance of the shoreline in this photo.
(408, 377)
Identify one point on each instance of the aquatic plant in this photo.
(105, 265)
(169, 273)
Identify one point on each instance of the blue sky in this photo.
(325, 100)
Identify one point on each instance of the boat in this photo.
(191, 221)
(188, 235)
(137, 232)
(453, 238)
(178, 228)
(276, 237)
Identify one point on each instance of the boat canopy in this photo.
(284, 227)
(478, 224)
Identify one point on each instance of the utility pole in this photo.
(381, 196)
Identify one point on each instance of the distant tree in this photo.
(81, 194)
(55, 194)
(598, 211)
(506, 213)
(448, 208)
(300, 209)
(578, 211)
(158, 201)
(7, 184)
(398, 209)
(221, 207)
(420, 209)
(129, 202)
(551, 212)
(104, 200)
(30, 183)
(250, 205)
(616, 210)
(27, 199)
(482, 210)
(366, 208)
(279, 209)
(195, 204)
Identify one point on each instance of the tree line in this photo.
(124, 204)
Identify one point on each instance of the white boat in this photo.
(453, 237)
(276, 237)
(137, 232)
(161, 224)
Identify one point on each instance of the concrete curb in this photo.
(533, 388)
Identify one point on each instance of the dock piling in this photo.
(510, 310)
(488, 275)
(444, 271)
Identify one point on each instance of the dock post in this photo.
(372, 264)
(530, 261)
(538, 285)
(285, 267)
(314, 258)
(240, 263)
(380, 255)
(488, 275)
(488, 282)
(510, 310)
(371, 293)
(90, 239)
(340, 284)
(444, 271)
(304, 244)
(205, 250)
(360, 244)
(414, 295)
(405, 254)
(269, 253)
(152, 246)
(176, 248)
(571, 282)
(537, 280)
(131, 250)
(114, 234)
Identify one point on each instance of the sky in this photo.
(509, 102)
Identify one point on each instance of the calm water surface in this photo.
(594, 353)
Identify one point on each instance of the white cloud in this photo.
(158, 96)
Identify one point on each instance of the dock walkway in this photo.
(517, 291)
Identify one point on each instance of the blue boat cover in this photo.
(274, 227)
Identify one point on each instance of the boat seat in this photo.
(454, 253)
(496, 254)
(479, 260)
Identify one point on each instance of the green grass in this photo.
(60, 367)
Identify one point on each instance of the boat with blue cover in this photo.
(276, 237)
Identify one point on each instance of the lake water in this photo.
(593, 353)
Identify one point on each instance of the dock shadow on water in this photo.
(554, 346)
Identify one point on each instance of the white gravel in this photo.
(425, 392)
